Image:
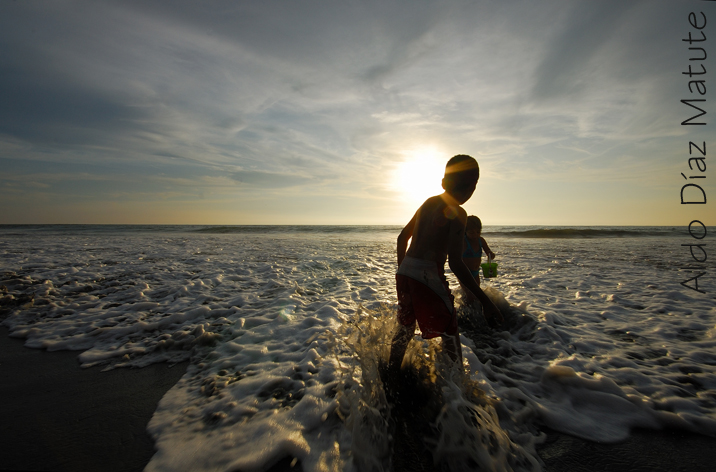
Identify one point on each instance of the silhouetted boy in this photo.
(437, 231)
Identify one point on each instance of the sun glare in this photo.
(420, 175)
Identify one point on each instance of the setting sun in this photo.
(420, 175)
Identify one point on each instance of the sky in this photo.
(325, 112)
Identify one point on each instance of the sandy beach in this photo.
(59, 417)
(643, 451)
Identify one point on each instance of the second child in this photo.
(474, 246)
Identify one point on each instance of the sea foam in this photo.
(286, 330)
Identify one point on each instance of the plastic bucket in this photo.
(489, 269)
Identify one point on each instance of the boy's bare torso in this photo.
(433, 222)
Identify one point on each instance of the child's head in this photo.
(473, 224)
(461, 176)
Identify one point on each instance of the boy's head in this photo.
(461, 176)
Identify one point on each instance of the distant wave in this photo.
(23, 229)
(296, 229)
(502, 231)
(576, 233)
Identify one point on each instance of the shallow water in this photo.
(285, 328)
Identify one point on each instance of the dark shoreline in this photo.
(59, 417)
(644, 451)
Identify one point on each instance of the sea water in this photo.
(286, 328)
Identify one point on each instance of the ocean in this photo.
(285, 328)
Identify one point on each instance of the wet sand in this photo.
(59, 417)
(643, 451)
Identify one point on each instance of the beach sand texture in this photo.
(59, 417)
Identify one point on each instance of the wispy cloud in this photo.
(317, 98)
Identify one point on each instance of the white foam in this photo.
(602, 339)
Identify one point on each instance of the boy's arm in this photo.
(488, 251)
(404, 237)
(458, 267)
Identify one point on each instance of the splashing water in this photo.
(440, 418)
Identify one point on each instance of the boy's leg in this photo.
(400, 343)
(468, 297)
(406, 323)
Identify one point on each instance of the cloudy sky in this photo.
(345, 112)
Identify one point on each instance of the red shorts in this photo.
(416, 301)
